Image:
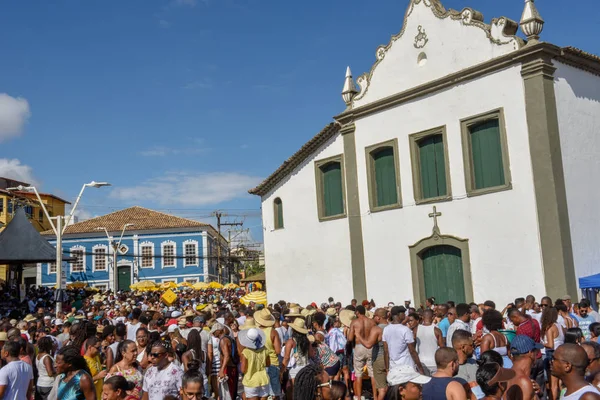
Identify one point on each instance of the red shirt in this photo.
(530, 328)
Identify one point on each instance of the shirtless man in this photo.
(380, 354)
(363, 355)
(523, 350)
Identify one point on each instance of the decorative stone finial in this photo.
(349, 90)
(531, 22)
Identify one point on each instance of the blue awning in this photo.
(590, 282)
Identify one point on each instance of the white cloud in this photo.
(13, 169)
(14, 113)
(189, 189)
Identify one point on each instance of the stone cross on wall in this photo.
(434, 215)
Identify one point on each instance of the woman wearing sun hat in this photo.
(254, 362)
(298, 350)
(405, 383)
(266, 321)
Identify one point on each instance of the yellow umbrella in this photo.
(168, 285)
(185, 284)
(258, 297)
(76, 285)
(143, 285)
(258, 285)
(215, 285)
(200, 286)
(231, 286)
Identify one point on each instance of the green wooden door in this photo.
(124, 277)
(443, 274)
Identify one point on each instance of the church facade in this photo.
(457, 170)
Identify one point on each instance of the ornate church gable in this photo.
(434, 42)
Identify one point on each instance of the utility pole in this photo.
(219, 215)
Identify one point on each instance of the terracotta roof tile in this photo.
(295, 160)
(580, 59)
(141, 218)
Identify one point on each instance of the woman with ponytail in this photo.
(117, 388)
(192, 385)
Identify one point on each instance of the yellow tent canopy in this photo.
(215, 285)
(76, 285)
(258, 297)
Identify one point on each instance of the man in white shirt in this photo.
(461, 311)
(16, 377)
(399, 342)
(134, 324)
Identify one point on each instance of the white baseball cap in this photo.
(172, 328)
(403, 374)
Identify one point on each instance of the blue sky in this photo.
(183, 105)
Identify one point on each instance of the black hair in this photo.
(153, 337)
(122, 348)
(141, 329)
(193, 374)
(519, 300)
(561, 306)
(584, 303)
(117, 382)
(79, 334)
(121, 330)
(490, 356)
(485, 373)
(307, 382)
(108, 330)
(462, 309)
(393, 393)
(302, 342)
(45, 345)
(12, 348)
(361, 309)
(573, 335)
(460, 335)
(450, 303)
(194, 342)
(595, 329)
(593, 345)
(136, 313)
(513, 310)
(319, 318)
(72, 355)
(492, 320)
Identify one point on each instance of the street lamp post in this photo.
(59, 229)
(115, 247)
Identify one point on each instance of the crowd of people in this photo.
(207, 344)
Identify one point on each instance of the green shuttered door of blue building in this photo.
(443, 274)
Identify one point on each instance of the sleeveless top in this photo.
(296, 360)
(131, 375)
(559, 339)
(43, 379)
(273, 356)
(427, 344)
(577, 395)
(140, 355)
(435, 389)
(327, 357)
(71, 390)
(498, 349)
(378, 348)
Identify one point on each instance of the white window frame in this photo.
(94, 248)
(83, 261)
(185, 257)
(142, 245)
(162, 253)
(169, 280)
(50, 272)
(192, 279)
(103, 287)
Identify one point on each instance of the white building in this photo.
(498, 134)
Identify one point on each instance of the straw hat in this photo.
(369, 314)
(248, 324)
(331, 312)
(346, 317)
(294, 312)
(29, 318)
(189, 313)
(264, 318)
(252, 338)
(299, 326)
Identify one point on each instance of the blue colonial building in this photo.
(154, 246)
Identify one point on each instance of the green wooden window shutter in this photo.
(433, 167)
(385, 177)
(333, 200)
(278, 214)
(488, 169)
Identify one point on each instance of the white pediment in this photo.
(433, 43)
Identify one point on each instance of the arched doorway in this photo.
(440, 267)
(443, 273)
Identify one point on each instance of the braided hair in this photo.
(307, 382)
(72, 355)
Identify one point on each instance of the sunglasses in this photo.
(156, 355)
(450, 313)
(545, 305)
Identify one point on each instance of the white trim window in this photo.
(190, 252)
(100, 257)
(191, 280)
(102, 287)
(78, 265)
(174, 280)
(52, 267)
(147, 255)
(169, 254)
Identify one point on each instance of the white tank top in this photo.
(427, 344)
(558, 340)
(577, 395)
(43, 379)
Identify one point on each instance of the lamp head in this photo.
(97, 184)
(20, 188)
(128, 225)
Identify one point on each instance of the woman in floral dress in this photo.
(127, 366)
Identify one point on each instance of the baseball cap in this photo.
(176, 314)
(172, 328)
(403, 374)
(217, 326)
(522, 344)
(199, 319)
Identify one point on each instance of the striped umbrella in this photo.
(258, 297)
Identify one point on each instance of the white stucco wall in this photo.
(306, 258)
(578, 105)
(501, 227)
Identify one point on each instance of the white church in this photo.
(461, 168)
